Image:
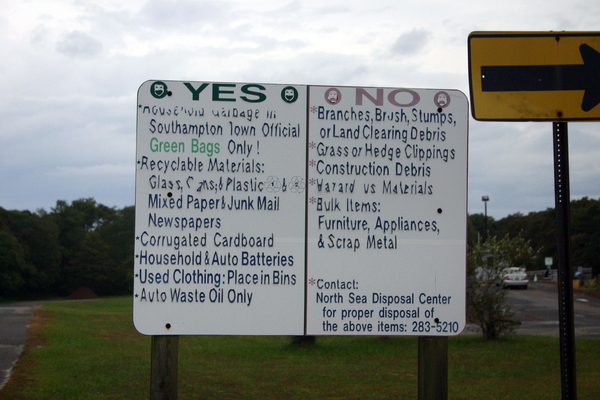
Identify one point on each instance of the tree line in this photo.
(82, 244)
(540, 229)
(87, 244)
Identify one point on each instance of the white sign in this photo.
(289, 210)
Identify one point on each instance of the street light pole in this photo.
(485, 199)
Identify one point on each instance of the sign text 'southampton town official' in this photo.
(266, 209)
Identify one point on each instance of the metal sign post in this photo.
(565, 287)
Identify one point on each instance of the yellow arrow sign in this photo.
(535, 76)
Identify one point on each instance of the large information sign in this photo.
(290, 210)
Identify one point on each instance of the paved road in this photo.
(537, 309)
(14, 321)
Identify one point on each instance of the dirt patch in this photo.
(82, 293)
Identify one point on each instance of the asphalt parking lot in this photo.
(537, 310)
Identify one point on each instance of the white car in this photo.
(514, 277)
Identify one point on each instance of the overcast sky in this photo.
(71, 69)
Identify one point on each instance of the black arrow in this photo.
(527, 78)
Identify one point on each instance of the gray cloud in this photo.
(186, 15)
(79, 44)
(411, 42)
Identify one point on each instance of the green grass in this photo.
(90, 350)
